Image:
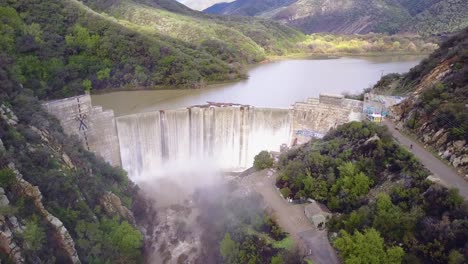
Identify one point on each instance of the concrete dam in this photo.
(228, 135)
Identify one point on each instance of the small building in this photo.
(317, 213)
(376, 118)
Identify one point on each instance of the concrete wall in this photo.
(97, 128)
(94, 126)
(316, 116)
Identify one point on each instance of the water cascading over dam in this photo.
(229, 136)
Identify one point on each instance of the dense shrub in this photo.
(263, 160)
(345, 171)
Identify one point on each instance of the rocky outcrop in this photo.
(435, 110)
(8, 115)
(65, 241)
(2, 147)
(8, 226)
(454, 152)
(112, 205)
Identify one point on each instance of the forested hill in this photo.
(59, 48)
(385, 209)
(436, 109)
(426, 17)
(58, 202)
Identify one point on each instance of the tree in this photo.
(391, 221)
(34, 234)
(125, 239)
(367, 248)
(356, 219)
(456, 257)
(90, 239)
(87, 85)
(229, 249)
(263, 161)
(352, 184)
(286, 192)
(103, 74)
(7, 177)
(277, 260)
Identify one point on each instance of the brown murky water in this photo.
(276, 84)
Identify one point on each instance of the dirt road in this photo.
(314, 243)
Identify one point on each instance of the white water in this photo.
(226, 137)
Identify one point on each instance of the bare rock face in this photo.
(3, 199)
(442, 140)
(428, 131)
(65, 241)
(459, 144)
(8, 115)
(2, 147)
(460, 161)
(437, 135)
(112, 204)
(372, 139)
(7, 244)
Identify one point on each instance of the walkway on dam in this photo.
(439, 169)
(313, 243)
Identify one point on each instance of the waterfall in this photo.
(229, 136)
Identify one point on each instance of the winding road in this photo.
(313, 243)
(439, 169)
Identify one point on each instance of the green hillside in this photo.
(436, 108)
(385, 210)
(52, 190)
(60, 48)
(364, 16)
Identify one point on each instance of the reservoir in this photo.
(276, 84)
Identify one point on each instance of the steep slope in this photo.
(58, 202)
(385, 208)
(436, 107)
(340, 16)
(61, 48)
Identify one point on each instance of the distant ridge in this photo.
(353, 16)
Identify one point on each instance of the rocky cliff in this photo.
(58, 202)
(436, 109)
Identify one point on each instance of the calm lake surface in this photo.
(276, 84)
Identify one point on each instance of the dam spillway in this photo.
(226, 135)
(230, 136)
